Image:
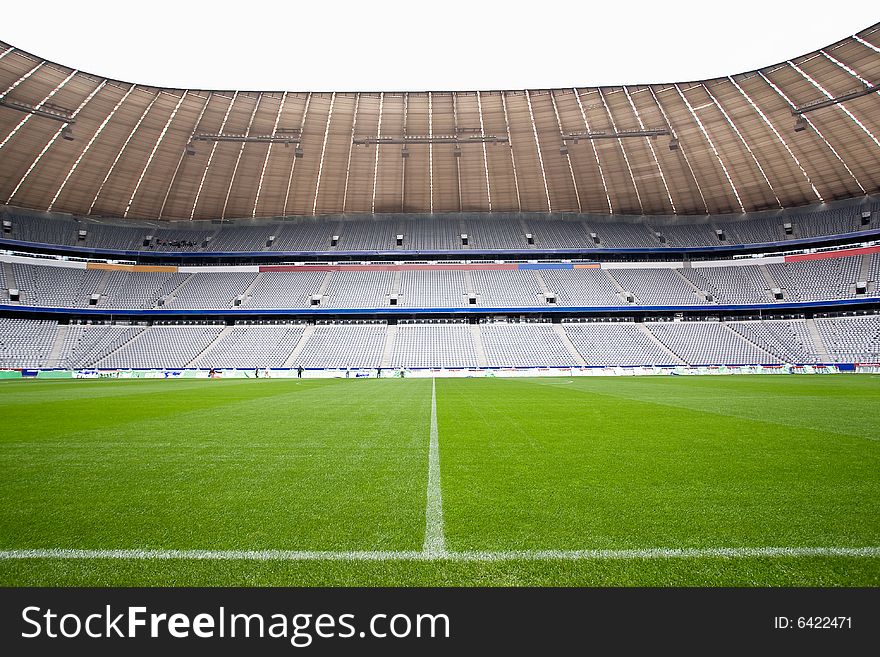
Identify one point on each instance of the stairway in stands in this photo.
(818, 343)
(569, 345)
(482, 361)
(390, 339)
(290, 361)
(54, 357)
(666, 350)
(199, 360)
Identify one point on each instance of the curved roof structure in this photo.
(718, 146)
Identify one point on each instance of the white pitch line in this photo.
(435, 542)
(472, 556)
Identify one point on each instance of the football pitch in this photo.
(648, 481)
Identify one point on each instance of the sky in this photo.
(394, 45)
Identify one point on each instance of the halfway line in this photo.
(435, 542)
(474, 556)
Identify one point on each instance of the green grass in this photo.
(526, 464)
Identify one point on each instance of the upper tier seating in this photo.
(435, 232)
(746, 283)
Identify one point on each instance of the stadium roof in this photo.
(725, 145)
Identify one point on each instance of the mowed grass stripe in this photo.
(790, 401)
(333, 470)
(62, 415)
(554, 467)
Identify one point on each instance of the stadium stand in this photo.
(87, 345)
(499, 289)
(816, 280)
(788, 340)
(211, 290)
(358, 289)
(253, 346)
(617, 343)
(25, 343)
(161, 347)
(143, 290)
(440, 343)
(445, 345)
(56, 286)
(344, 345)
(708, 343)
(581, 287)
(851, 339)
(274, 289)
(736, 282)
(433, 232)
(526, 344)
(433, 288)
(657, 287)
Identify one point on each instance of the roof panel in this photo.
(737, 145)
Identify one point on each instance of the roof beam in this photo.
(512, 156)
(712, 146)
(784, 97)
(781, 139)
(614, 134)
(680, 149)
(180, 159)
(88, 146)
(38, 106)
(631, 133)
(268, 153)
(153, 152)
(577, 193)
(485, 154)
(302, 125)
(580, 104)
(651, 146)
(192, 213)
(357, 103)
(866, 90)
(60, 132)
(122, 150)
(538, 147)
(244, 142)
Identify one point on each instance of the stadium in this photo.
(587, 336)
